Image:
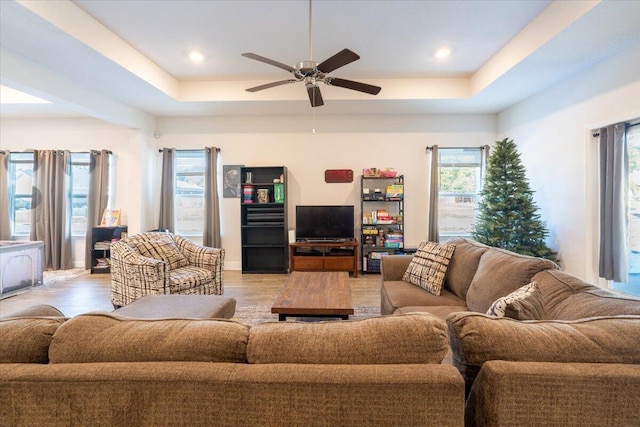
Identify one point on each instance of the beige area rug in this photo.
(254, 314)
(56, 276)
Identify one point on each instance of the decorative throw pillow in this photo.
(429, 266)
(164, 248)
(524, 303)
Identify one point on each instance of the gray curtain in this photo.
(484, 161)
(51, 207)
(97, 196)
(433, 195)
(167, 218)
(211, 234)
(5, 223)
(614, 176)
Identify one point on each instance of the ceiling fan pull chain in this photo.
(310, 45)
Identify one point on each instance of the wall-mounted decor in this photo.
(338, 175)
(231, 181)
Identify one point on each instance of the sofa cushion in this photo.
(439, 311)
(161, 246)
(27, 339)
(565, 297)
(463, 265)
(476, 338)
(409, 338)
(501, 272)
(189, 277)
(396, 294)
(103, 337)
(429, 266)
(38, 310)
(524, 303)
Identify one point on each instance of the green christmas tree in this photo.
(507, 215)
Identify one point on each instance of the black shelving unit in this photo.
(263, 210)
(101, 239)
(379, 237)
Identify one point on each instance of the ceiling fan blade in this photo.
(350, 84)
(269, 61)
(314, 95)
(340, 59)
(270, 85)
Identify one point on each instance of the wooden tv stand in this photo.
(324, 256)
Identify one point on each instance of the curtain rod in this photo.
(626, 126)
(190, 149)
(482, 147)
(75, 152)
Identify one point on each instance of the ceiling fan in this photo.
(311, 73)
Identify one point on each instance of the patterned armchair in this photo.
(163, 263)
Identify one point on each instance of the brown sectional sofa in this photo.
(105, 369)
(578, 366)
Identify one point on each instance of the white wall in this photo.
(553, 133)
(340, 142)
(129, 146)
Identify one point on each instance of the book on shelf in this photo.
(102, 246)
(103, 262)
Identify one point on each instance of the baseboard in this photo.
(233, 266)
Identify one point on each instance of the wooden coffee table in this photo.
(315, 294)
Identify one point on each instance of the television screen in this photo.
(321, 223)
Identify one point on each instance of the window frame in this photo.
(13, 196)
(478, 181)
(16, 158)
(75, 196)
(189, 154)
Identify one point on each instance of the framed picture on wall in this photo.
(110, 217)
(231, 180)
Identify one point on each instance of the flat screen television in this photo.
(324, 223)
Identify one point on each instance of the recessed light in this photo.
(443, 52)
(196, 56)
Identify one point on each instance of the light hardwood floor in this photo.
(91, 292)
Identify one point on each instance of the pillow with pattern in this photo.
(429, 266)
(524, 303)
(164, 248)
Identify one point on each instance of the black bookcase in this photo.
(101, 239)
(381, 236)
(263, 210)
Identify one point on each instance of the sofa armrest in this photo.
(392, 267)
(200, 256)
(477, 338)
(134, 275)
(547, 393)
(133, 265)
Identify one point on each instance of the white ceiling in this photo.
(90, 57)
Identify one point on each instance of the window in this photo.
(633, 146)
(20, 190)
(460, 172)
(190, 192)
(79, 193)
